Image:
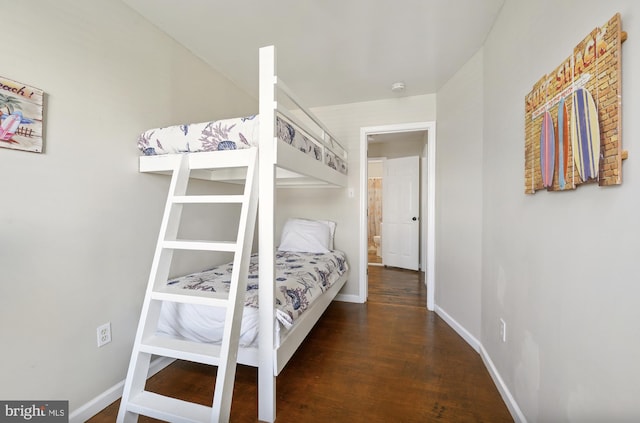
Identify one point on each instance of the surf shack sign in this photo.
(573, 117)
(20, 116)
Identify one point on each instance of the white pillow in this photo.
(306, 236)
(332, 231)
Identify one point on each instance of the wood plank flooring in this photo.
(389, 360)
(373, 257)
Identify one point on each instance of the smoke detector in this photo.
(397, 87)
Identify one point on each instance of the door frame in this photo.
(427, 237)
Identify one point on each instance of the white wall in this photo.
(560, 268)
(459, 197)
(375, 168)
(396, 148)
(345, 121)
(78, 223)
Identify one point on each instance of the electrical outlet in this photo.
(104, 334)
(503, 331)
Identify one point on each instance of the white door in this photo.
(400, 212)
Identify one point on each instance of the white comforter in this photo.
(300, 279)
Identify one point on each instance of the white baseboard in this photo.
(460, 330)
(511, 403)
(102, 401)
(348, 298)
(508, 399)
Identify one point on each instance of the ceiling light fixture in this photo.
(397, 87)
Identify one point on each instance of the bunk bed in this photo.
(294, 149)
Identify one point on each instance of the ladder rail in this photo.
(169, 226)
(231, 335)
(160, 265)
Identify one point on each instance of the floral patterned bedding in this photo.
(300, 279)
(228, 134)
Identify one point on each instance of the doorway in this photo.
(375, 172)
(393, 206)
(382, 134)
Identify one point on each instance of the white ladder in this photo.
(135, 400)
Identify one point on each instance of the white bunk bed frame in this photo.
(279, 165)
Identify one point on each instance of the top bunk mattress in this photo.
(229, 134)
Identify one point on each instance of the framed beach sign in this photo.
(573, 129)
(20, 116)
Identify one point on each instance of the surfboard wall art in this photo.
(573, 117)
(547, 150)
(585, 135)
(563, 143)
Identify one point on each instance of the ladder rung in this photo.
(192, 296)
(198, 352)
(208, 199)
(201, 245)
(168, 409)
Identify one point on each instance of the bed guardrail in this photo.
(325, 138)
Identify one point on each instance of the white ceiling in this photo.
(331, 51)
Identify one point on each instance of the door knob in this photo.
(414, 218)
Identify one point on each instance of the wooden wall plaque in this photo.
(20, 116)
(592, 71)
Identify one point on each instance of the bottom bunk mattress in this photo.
(301, 278)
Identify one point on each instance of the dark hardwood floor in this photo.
(393, 286)
(389, 360)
